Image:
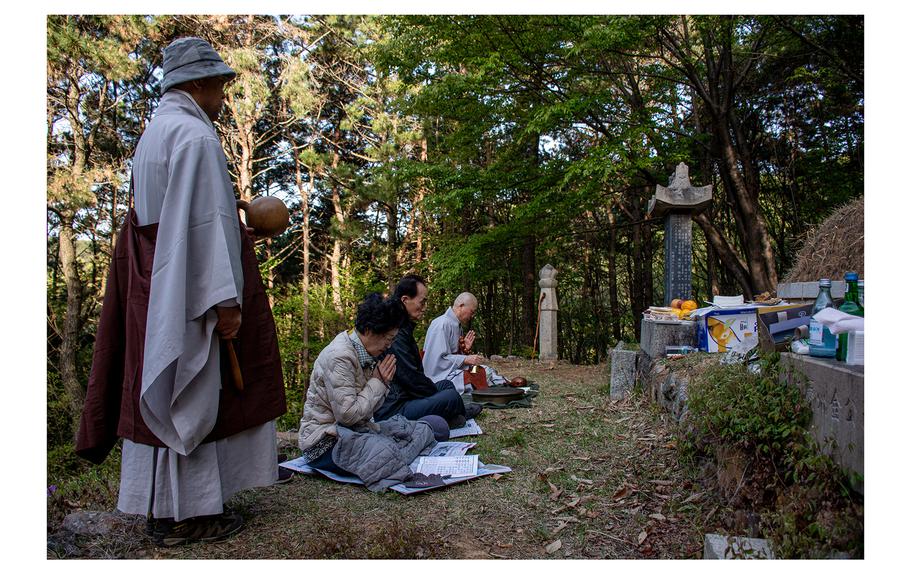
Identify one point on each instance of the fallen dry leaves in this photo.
(555, 492)
(624, 491)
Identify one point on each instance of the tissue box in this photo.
(722, 330)
(855, 348)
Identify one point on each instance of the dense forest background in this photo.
(470, 149)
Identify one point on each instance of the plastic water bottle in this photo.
(822, 343)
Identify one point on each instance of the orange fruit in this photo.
(689, 305)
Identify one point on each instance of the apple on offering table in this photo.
(682, 307)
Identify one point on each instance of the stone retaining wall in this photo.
(835, 392)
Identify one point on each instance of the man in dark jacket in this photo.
(411, 393)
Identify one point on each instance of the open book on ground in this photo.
(452, 466)
(442, 449)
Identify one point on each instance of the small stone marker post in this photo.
(623, 364)
(548, 309)
(678, 202)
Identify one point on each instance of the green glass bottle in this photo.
(850, 306)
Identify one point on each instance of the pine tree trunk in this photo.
(418, 226)
(392, 256)
(611, 283)
(304, 190)
(489, 332)
(245, 167)
(757, 244)
(305, 195)
(637, 280)
(529, 290)
(336, 245)
(70, 344)
(513, 316)
(647, 237)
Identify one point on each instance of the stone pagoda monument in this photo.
(677, 203)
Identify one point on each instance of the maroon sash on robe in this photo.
(111, 406)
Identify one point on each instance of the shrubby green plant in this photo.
(807, 505)
(757, 414)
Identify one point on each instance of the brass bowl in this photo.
(497, 395)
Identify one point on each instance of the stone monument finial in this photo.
(548, 276)
(680, 196)
(679, 180)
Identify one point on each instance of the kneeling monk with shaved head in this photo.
(445, 357)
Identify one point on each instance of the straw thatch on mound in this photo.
(834, 247)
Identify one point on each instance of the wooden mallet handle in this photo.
(235, 365)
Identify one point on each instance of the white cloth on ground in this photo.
(200, 483)
(493, 377)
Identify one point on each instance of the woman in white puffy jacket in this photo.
(350, 380)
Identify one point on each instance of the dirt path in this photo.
(591, 479)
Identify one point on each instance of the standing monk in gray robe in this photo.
(191, 437)
(443, 359)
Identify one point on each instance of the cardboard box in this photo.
(776, 326)
(722, 329)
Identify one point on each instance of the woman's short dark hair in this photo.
(378, 315)
(407, 286)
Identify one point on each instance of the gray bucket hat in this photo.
(190, 58)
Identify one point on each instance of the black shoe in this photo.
(284, 475)
(421, 481)
(209, 528)
(456, 422)
(157, 528)
(471, 410)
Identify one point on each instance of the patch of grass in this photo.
(572, 430)
(74, 483)
(395, 539)
(514, 439)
